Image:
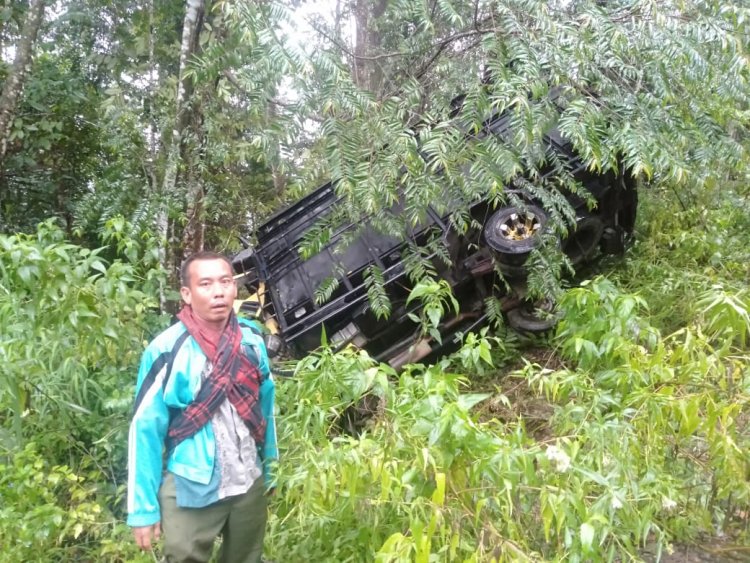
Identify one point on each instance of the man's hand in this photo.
(145, 534)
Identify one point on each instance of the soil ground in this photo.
(521, 402)
(710, 550)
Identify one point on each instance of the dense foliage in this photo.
(625, 82)
(628, 434)
(199, 139)
(645, 444)
(73, 328)
(132, 132)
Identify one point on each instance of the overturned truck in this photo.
(487, 260)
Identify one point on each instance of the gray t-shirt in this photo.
(236, 454)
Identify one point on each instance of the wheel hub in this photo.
(520, 226)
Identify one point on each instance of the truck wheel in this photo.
(515, 231)
(533, 317)
(581, 243)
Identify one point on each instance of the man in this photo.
(204, 404)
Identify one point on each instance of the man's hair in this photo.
(203, 255)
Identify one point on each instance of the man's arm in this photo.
(145, 444)
(270, 453)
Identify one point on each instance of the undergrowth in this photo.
(642, 440)
(647, 443)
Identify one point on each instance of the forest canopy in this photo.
(133, 133)
(197, 119)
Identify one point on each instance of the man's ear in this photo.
(185, 293)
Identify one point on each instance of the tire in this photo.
(526, 318)
(613, 241)
(512, 271)
(274, 345)
(513, 231)
(618, 235)
(582, 243)
(628, 211)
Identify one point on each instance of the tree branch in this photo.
(440, 45)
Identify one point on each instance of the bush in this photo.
(73, 331)
(50, 512)
(646, 446)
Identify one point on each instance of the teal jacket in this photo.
(169, 378)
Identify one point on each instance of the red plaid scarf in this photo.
(232, 377)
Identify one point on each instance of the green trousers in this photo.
(189, 533)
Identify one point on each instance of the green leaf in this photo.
(438, 495)
(419, 291)
(468, 400)
(99, 266)
(434, 314)
(587, 536)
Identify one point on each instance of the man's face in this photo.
(211, 291)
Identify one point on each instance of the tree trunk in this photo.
(192, 155)
(368, 74)
(192, 25)
(13, 86)
(150, 166)
(193, 234)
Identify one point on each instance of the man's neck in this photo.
(212, 328)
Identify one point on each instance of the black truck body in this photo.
(284, 284)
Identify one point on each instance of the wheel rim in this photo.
(519, 226)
